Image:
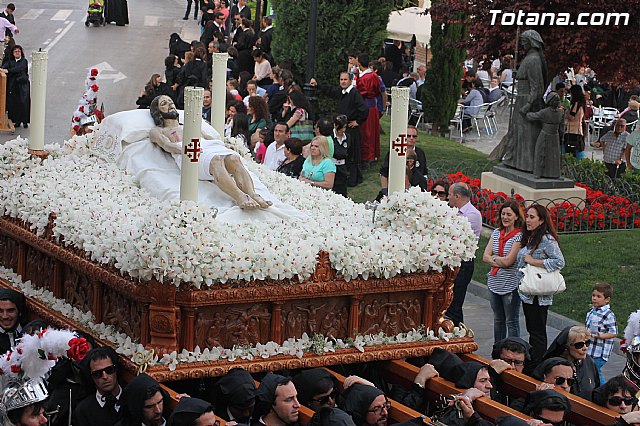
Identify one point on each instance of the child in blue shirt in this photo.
(601, 322)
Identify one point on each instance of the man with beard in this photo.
(101, 408)
(235, 396)
(12, 311)
(143, 403)
(367, 405)
(217, 163)
(277, 402)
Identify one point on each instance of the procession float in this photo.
(108, 234)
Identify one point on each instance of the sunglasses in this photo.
(560, 380)
(323, 400)
(108, 370)
(440, 193)
(412, 136)
(617, 400)
(580, 345)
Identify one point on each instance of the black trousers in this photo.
(195, 10)
(454, 313)
(614, 171)
(536, 320)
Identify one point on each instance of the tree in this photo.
(342, 25)
(608, 49)
(442, 88)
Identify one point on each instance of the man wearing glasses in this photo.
(367, 405)
(101, 408)
(421, 159)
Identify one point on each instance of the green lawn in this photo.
(435, 148)
(599, 257)
(610, 257)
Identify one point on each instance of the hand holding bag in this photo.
(540, 282)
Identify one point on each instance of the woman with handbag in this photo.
(539, 249)
(502, 280)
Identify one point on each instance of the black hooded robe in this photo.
(116, 11)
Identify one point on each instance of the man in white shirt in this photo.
(274, 156)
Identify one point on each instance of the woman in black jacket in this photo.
(18, 88)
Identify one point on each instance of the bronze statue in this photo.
(517, 149)
(547, 148)
(218, 164)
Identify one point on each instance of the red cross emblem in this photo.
(192, 150)
(400, 145)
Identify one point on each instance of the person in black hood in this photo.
(13, 311)
(317, 388)
(143, 401)
(572, 344)
(328, 416)
(235, 396)
(548, 406)
(514, 351)
(276, 402)
(367, 405)
(192, 412)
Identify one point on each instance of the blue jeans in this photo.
(506, 315)
(600, 362)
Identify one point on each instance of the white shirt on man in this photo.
(274, 156)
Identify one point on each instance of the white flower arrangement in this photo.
(138, 354)
(101, 210)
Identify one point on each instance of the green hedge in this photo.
(342, 25)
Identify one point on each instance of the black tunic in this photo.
(116, 11)
(90, 413)
(18, 91)
(352, 105)
(293, 168)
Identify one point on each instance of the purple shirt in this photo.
(473, 216)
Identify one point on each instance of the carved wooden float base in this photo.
(196, 370)
(166, 318)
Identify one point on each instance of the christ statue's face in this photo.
(167, 108)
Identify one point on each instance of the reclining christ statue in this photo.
(217, 163)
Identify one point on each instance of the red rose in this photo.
(16, 369)
(78, 348)
(81, 109)
(94, 72)
(95, 87)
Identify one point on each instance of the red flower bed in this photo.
(599, 211)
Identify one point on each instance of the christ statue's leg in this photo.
(243, 179)
(227, 184)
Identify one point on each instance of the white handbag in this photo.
(540, 282)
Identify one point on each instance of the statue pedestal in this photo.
(542, 191)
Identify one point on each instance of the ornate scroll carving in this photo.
(78, 289)
(329, 317)
(123, 314)
(233, 325)
(39, 268)
(8, 252)
(391, 313)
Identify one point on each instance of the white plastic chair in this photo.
(457, 121)
(482, 115)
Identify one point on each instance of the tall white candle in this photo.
(219, 91)
(38, 99)
(398, 139)
(193, 97)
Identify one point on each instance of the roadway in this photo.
(126, 56)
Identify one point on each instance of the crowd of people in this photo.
(268, 110)
(89, 389)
